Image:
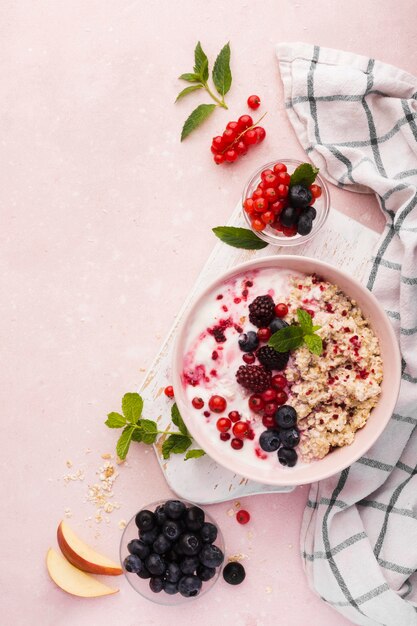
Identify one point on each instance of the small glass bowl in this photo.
(270, 235)
(141, 585)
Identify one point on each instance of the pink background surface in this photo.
(106, 223)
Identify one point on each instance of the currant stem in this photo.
(235, 141)
(220, 103)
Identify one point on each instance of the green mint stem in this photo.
(221, 103)
(160, 432)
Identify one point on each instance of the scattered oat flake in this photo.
(78, 475)
(68, 513)
(237, 557)
(268, 589)
(237, 504)
(68, 464)
(230, 512)
(122, 524)
(249, 534)
(106, 455)
(88, 451)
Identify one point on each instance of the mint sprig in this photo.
(305, 174)
(222, 79)
(136, 428)
(239, 237)
(297, 335)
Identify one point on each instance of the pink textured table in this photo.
(99, 203)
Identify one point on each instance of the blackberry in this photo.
(261, 311)
(253, 377)
(271, 359)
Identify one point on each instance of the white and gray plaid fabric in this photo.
(357, 120)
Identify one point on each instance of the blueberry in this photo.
(173, 573)
(205, 573)
(160, 515)
(170, 588)
(305, 224)
(136, 546)
(311, 212)
(287, 456)
(161, 544)
(286, 416)
(289, 216)
(277, 324)
(234, 573)
(172, 530)
(189, 544)
(189, 586)
(133, 563)
(174, 509)
(144, 573)
(145, 520)
(300, 196)
(211, 556)
(172, 556)
(248, 342)
(149, 536)
(155, 564)
(290, 437)
(194, 518)
(208, 533)
(156, 585)
(269, 440)
(189, 564)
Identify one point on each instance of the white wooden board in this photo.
(342, 242)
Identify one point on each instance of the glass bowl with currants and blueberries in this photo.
(286, 202)
(172, 551)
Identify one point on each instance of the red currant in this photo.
(234, 416)
(231, 156)
(244, 122)
(263, 334)
(229, 136)
(279, 167)
(242, 517)
(281, 397)
(277, 225)
(241, 148)
(197, 403)
(217, 404)
(254, 102)
(270, 408)
(279, 381)
(315, 191)
(268, 421)
(219, 159)
(260, 205)
(269, 395)
(271, 194)
(218, 143)
(270, 180)
(223, 424)
(260, 132)
(250, 138)
(289, 231)
(258, 193)
(282, 191)
(237, 444)
(240, 429)
(256, 403)
(277, 206)
(258, 224)
(267, 217)
(225, 436)
(249, 205)
(248, 358)
(281, 309)
(283, 178)
(266, 173)
(169, 391)
(233, 126)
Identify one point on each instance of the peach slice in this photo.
(82, 555)
(73, 580)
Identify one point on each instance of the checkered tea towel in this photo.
(357, 120)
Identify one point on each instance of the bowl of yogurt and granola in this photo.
(286, 370)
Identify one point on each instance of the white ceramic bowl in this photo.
(364, 438)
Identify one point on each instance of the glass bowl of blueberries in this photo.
(172, 551)
(286, 202)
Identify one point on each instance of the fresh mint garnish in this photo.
(296, 335)
(239, 237)
(222, 79)
(136, 428)
(194, 454)
(305, 174)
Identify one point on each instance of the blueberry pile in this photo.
(175, 549)
(299, 214)
(284, 437)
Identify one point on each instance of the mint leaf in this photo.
(286, 339)
(197, 117)
(132, 405)
(222, 76)
(137, 435)
(315, 328)
(239, 237)
(314, 344)
(201, 62)
(149, 431)
(304, 174)
(175, 444)
(115, 420)
(190, 78)
(188, 90)
(306, 321)
(194, 454)
(178, 421)
(122, 447)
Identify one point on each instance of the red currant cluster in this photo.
(272, 200)
(237, 139)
